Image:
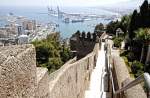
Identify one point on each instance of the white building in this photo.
(23, 39)
(119, 32)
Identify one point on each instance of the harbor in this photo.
(78, 17)
(57, 19)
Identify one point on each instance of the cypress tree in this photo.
(144, 8)
(133, 25)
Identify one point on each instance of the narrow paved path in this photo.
(96, 88)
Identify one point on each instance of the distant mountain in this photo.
(130, 4)
(123, 8)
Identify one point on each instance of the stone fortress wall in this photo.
(73, 80)
(20, 78)
(122, 77)
(17, 72)
(83, 43)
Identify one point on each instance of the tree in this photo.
(143, 36)
(133, 25)
(144, 8)
(99, 28)
(112, 26)
(54, 64)
(50, 53)
(65, 54)
(42, 54)
(124, 23)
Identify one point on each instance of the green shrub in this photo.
(124, 53)
(131, 56)
(137, 68)
(117, 41)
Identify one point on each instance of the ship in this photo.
(77, 20)
(66, 20)
(73, 20)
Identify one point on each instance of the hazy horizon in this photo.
(69, 3)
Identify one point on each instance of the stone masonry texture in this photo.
(20, 78)
(123, 76)
(18, 72)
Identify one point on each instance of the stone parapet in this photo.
(20, 78)
(72, 79)
(18, 72)
(122, 77)
(42, 90)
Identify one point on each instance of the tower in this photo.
(59, 12)
(19, 30)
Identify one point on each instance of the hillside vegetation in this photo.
(50, 53)
(136, 28)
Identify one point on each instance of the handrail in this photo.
(143, 78)
(147, 80)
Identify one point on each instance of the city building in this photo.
(29, 25)
(20, 30)
(23, 39)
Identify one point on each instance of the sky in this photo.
(64, 2)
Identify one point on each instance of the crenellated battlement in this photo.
(83, 43)
(91, 37)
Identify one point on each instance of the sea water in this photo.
(40, 14)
